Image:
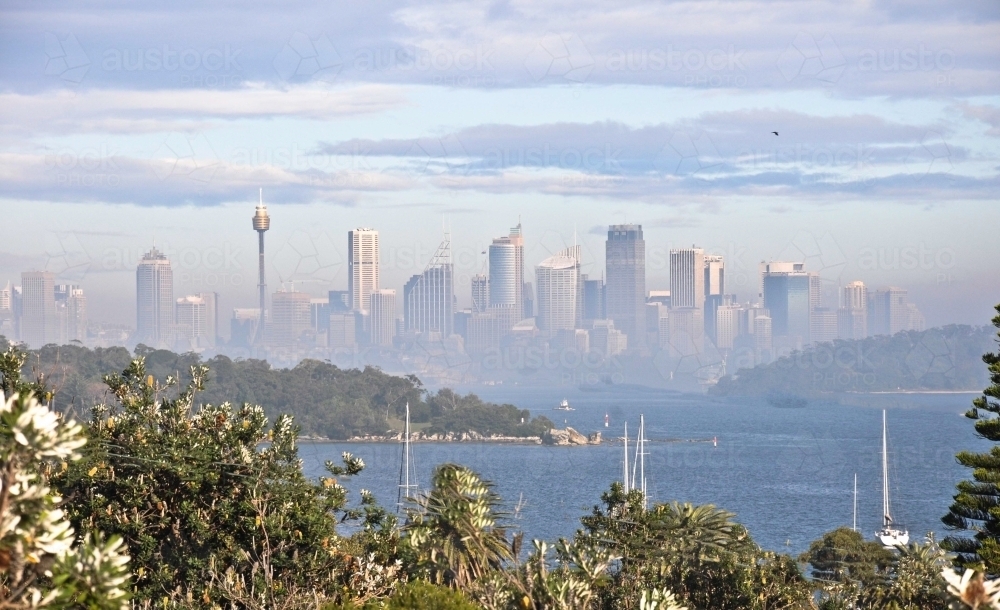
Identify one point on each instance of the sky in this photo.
(124, 125)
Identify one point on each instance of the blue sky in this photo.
(125, 124)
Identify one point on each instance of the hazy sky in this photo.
(122, 125)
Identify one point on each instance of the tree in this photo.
(844, 556)
(40, 566)
(211, 502)
(977, 504)
(453, 530)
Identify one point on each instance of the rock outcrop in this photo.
(568, 436)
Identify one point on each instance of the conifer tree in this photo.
(977, 504)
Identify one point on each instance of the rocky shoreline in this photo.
(562, 437)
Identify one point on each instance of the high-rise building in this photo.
(192, 324)
(559, 291)
(39, 322)
(593, 299)
(715, 274)
(687, 331)
(362, 266)
(852, 318)
(7, 327)
(71, 310)
(888, 311)
(154, 295)
(340, 301)
(382, 308)
(211, 317)
(429, 298)
(763, 338)
(341, 332)
(915, 319)
(243, 327)
(607, 339)
(729, 324)
(687, 278)
(528, 298)
(823, 325)
(506, 256)
(290, 318)
(712, 304)
(480, 292)
(625, 287)
(789, 296)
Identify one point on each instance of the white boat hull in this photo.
(891, 537)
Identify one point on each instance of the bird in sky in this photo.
(775, 132)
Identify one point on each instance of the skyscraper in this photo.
(71, 309)
(154, 295)
(362, 266)
(888, 311)
(506, 256)
(593, 299)
(789, 297)
(852, 317)
(625, 288)
(192, 323)
(480, 292)
(429, 298)
(39, 324)
(382, 308)
(559, 291)
(688, 272)
(290, 318)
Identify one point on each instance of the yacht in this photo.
(890, 536)
(564, 406)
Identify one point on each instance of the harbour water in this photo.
(787, 473)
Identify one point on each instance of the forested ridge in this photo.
(937, 359)
(325, 400)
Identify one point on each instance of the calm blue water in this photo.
(787, 473)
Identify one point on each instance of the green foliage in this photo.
(189, 488)
(844, 556)
(40, 566)
(697, 552)
(452, 530)
(977, 504)
(945, 358)
(324, 400)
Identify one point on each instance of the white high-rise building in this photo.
(852, 318)
(687, 278)
(382, 309)
(291, 316)
(429, 298)
(154, 295)
(71, 309)
(559, 291)
(507, 272)
(39, 322)
(362, 266)
(715, 274)
(480, 292)
(729, 324)
(192, 322)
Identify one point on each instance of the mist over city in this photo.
(697, 292)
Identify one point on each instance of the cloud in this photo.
(987, 114)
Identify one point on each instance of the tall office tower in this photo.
(559, 291)
(211, 317)
(762, 336)
(656, 313)
(340, 300)
(382, 308)
(71, 309)
(506, 256)
(659, 296)
(715, 274)
(888, 311)
(729, 324)
(528, 298)
(39, 323)
(480, 292)
(776, 267)
(341, 331)
(243, 327)
(687, 278)
(290, 318)
(191, 314)
(429, 298)
(593, 299)
(7, 312)
(823, 325)
(789, 297)
(625, 283)
(319, 315)
(852, 317)
(154, 297)
(362, 266)
(261, 223)
(687, 331)
(712, 304)
(607, 339)
(915, 319)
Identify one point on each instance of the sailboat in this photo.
(890, 536)
(638, 463)
(407, 478)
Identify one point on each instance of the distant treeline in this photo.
(325, 400)
(945, 358)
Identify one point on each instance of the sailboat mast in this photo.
(406, 446)
(854, 523)
(625, 460)
(642, 457)
(886, 519)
